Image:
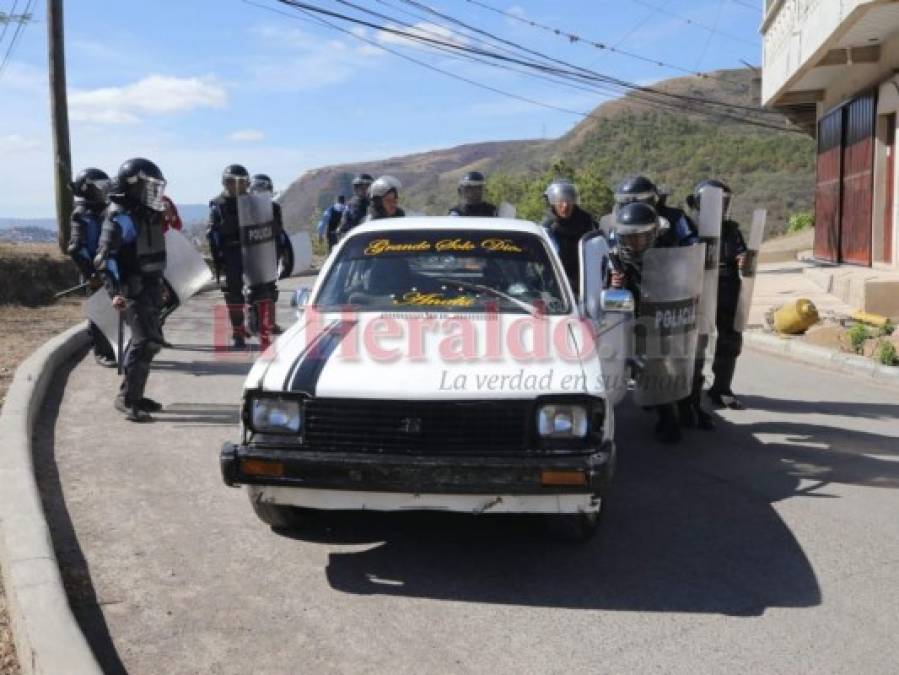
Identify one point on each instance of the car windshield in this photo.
(444, 270)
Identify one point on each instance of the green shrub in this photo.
(857, 336)
(800, 221)
(886, 353)
(887, 328)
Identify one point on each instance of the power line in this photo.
(708, 39)
(23, 19)
(575, 38)
(8, 19)
(742, 3)
(697, 24)
(588, 74)
(645, 94)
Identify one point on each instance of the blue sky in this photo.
(200, 84)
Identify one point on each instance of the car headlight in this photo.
(269, 414)
(562, 421)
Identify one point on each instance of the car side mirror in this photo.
(300, 298)
(618, 300)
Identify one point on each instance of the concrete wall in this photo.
(797, 33)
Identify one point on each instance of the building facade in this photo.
(832, 66)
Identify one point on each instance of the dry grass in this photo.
(24, 330)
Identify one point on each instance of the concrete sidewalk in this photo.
(780, 282)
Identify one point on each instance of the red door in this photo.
(828, 186)
(858, 180)
(888, 189)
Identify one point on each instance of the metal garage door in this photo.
(827, 189)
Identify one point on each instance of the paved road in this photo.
(771, 545)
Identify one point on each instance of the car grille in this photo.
(417, 427)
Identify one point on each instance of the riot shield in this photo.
(750, 263)
(711, 214)
(257, 239)
(666, 327)
(506, 210)
(297, 259)
(612, 330)
(99, 310)
(185, 270)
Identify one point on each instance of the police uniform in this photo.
(355, 213)
(224, 241)
(730, 341)
(481, 210)
(132, 254)
(566, 233)
(86, 224)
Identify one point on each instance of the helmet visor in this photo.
(472, 194)
(558, 193)
(622, 198)
(635, 243)
(96, 189)
(151, 193)
(261, 186)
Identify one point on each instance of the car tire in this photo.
(279, 517)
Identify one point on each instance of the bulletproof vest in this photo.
(567, 234)
(229, 225)
(86, 226)
(355, 212)
(682, 230)
(482, 210)
(150, 242)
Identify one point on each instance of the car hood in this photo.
(393, 356)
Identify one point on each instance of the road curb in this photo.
(47, 636)
(826, 358)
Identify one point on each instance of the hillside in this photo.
(764, 167)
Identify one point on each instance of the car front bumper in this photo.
(337, 480)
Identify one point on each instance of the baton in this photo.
(121, 340)
(73, 289)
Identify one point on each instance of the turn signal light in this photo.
(260, 467)
(563, 477)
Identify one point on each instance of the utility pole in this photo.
(59, 109)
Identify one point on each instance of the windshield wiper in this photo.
(521, 304)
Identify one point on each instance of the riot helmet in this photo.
(636, 227)
(694, 200)
(140, 181)
(562, 196)
(91, 186)
(361, 183)
(471, 188)
(261, 183)
(235, 179)
(636, 189)
(385, 193)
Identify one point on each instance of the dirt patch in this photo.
(24, 330)
(32, 273)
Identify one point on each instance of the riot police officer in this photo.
(91, 187)
(634, 230)
(675, 227)
(471, 197)
(223, 233)
(730, 341)
(384, 194)
(131, 253)
(567, 222)
(357, 208)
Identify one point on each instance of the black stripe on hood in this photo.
(305, 378)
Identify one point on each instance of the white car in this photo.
(439, 364)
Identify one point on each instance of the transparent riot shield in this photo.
(99, 310)
(750, 263)
(613, 333)
(506, 210)
(298, 258)
(257, 239)
(711, 214)
(666, 327)
(185, 270)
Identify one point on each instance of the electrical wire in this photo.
(648, 95)
(697, 24)
(24, 19)
(575, 38)
(9, 18)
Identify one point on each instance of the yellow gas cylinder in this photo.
(796, 317)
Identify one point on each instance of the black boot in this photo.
(132, 412)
